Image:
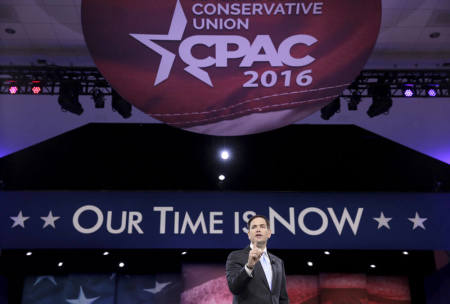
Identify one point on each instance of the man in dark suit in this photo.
(255, 276)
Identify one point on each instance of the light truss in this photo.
(420, 81)
(49, 78)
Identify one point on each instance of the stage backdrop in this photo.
(218, 220)
(206, 284)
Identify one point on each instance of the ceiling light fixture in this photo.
(408, 90)
(432, 90)
(99, 98)
(68, 97)
(224, 154)
(355, 99)
(330, 109)
(13, 89)
(120, 105)
(381, 100)
(36, 89)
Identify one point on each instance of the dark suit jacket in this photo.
(248, 290)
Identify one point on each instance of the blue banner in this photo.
(218, 220)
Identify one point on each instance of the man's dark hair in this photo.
(256, 216)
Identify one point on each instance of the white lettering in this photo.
(213, 221)
(176, 222)
(284, 50)
(346, 217)
(98, 224)
(194, 9)
(200, 222)
(134, 218)
(306, 9)
(246, 216)
(317, 8)
(223, 53)
(261, 50)
(288, 225)
(301, 221)
(162, 217)
(261, 43)
(122, 224)
(279, 9)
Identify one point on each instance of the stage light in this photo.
(408, 90)
(221, 177)
(225, 154)
(68, 97)
(184, 253)
(381, 100)
(13, 89)
(310, 264)
(405, 253)
(373, 266)
(408, 93)
(36, 90)
(29, 253)
(326, 252)
(355, 99)
(330, 109)
(431, 92)
(121, 264)
(105, 253)
(60, 264)
(99, 99)
(120, 105)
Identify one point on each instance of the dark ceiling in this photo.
(159, 157)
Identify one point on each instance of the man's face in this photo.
(259, 233)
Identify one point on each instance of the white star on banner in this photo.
(49, 220)
(19, 220)
(50, 278)
(82, 298)
(418, 221)
(158, 287)
(383, 221)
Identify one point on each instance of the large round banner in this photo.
(230, 67)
